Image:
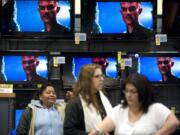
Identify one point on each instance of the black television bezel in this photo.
(110, 36)
(71, 55)
(26, 53)
(43, 35)
(157, 54)
(164, 19)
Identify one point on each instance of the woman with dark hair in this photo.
(89, 105)
(138, 114)
(43, 116)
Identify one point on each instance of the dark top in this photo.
(37, 78)
(140, 32)
(103, 111)
(24, 124)
(74, 118)
(74, 123)
(59, 29)
(172, 79)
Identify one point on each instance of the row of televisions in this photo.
(12, 70)
(99, 19)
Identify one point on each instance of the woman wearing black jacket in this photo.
(89, 104)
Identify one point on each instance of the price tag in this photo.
(55, 61)
(123, 64)
(158, 41)
(6, 88)
(119, 57)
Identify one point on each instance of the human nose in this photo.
(52, 94)
(127, 11)
(26, 65)
(128, 94)
(102, 78)
(46, 10)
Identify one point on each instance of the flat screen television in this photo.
(105, 19)
(160, 68)
(24, 67)
(74, 61)
(27, 19)
(171, 18)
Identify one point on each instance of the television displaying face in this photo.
(160, 68)
(110, 69)
(73, 64)
(37, 16)
(25, 69)
(119, 19)
(114, 17)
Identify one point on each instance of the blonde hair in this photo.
(84, 85)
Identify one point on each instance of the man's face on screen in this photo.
(48, 10)
(164, 65)
(130, 12)
(29, 64)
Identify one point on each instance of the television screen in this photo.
(122, 19)
(24, 68)
(78, 62)
(160, 68)
(73, 64)
(171, 18)
(37, 18)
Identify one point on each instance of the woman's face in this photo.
(131, 94)
(98, 79)
(48, 97)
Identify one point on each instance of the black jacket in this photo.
(74, 118)
(74, 123)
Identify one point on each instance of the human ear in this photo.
(37, 63)
(57, 9)
(140, 11)
(172, 64)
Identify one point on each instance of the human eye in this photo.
(42, 7)
(50, 7)
(132, 8)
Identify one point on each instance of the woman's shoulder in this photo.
(119, 108)
(28, 108)
(60, 102)
(156, 107)
(75, 101)
(118, 113)
(74, 105)
(27, 113)
(60, 105)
